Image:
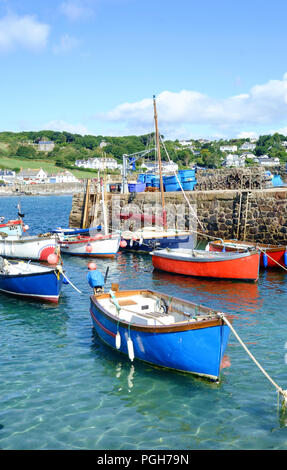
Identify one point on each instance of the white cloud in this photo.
(59, 125)
(264, 105)
(247, 135)
(75, 9)
(22, 31)
(66, 44)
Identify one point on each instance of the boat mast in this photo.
(159, 163)
(104, 207)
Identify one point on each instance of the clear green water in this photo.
(61, 388)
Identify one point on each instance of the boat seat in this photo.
(124, 302)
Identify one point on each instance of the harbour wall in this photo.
(43, 189)
(258, 215)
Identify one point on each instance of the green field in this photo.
(49, 167)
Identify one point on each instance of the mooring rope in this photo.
(262, 251)
(188, 202)
(60, 269)
(279, 389)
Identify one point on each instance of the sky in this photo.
(218, 68)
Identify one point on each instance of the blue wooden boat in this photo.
(31, 281)
(150, 238)
(77, 231)
(161, 330)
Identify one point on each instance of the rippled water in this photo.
(61, 388)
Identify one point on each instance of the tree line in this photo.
(70, 147)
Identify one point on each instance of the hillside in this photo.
(21, 150)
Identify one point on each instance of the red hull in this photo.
(241, 269)
(275, 254)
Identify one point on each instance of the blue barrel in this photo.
(171, 187)
(155, 182)
(148, 179)
(186, 174)
(170, 180)
(141, 178)
(277, 181)
(137, 187)
(188, 185)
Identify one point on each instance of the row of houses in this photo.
(110, 163)
(101, 163)
(38, 175)
(233, 159)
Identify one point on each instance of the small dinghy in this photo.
(101, 246)
(200, 263)
(31, 281)
(271, 256)
(162, 330)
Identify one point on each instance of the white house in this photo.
(204, 141)
(185, 143)
(98, 163)
(34, 175)
(264, 160)
(228, 148)
(45, 146)
(250, 156)
(62, 177)
(8, 176)
(166, 167)
(103, 144)
(234, 160)
(248, 146)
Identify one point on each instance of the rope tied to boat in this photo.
(278, 388)
(60, 270)
(272, 259)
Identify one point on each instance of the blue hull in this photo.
(196, 351)
(45, 286)
(150, 244)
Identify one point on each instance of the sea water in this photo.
(62, 388)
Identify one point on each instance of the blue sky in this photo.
(218, 68)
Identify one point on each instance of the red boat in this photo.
(200, 263)
(271, 256)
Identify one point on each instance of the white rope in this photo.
(59, 268)
(179, 182)
(283, 267)
(279, 389)
(188, 202)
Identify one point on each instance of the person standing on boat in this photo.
(95, 278)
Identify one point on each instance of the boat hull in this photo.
(45, 286)
(147, 244)
(196, 351)
(29, 248)
(243, 266)
(106, 247)
(276, 254)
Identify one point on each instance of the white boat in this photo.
(11, 228)
(30, 248)
(102, 246)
